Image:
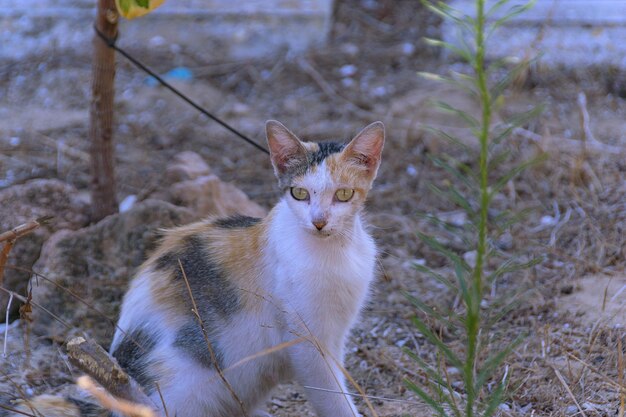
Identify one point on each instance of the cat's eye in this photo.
(344, 194)
(299, 194)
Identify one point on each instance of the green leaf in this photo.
(448, 137)
(469, 180)
(426, 398)
(435, 245)
(131, 9)
(522, 118)
(518, 120)
(495, 400)
(428, 310)
(456, 197)
(511, 266)
(468, 118)
(515, 171)
(449, 13)
(513, 11)
(497, 6)
(511, 75)
(435, 376)
(506, 220)
(430, 371)
(461, 83)
(432, 338)
(494, 361)
(503, 134)
(499, 158)
(124, 5)
(460, 51)
(460, 274)
(503, 311)
(440, 278)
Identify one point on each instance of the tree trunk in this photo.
(103, 200)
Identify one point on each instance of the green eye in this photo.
(344, 194)
(299, 194)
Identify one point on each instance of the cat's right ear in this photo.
(286, 150)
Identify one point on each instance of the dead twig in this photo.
(584, 119)
(12, 235)
(92, 359)
(16, 411)
(569, 391)
(6, 328)
(26, 300)
(24, 229)
(111, 403)
(620, 378)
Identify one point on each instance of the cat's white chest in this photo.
(324, 281)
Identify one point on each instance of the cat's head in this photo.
(325, 184)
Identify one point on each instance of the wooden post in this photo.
(103, 199)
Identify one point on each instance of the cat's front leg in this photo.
(318, 370)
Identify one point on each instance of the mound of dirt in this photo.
(30, 201)
(84, 273)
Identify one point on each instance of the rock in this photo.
(29, 201)
(96, 263)
(208, 195)
(185, 166)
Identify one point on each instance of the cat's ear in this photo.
(365, 150)
(286, 150)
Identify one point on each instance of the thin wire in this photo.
(111, 43)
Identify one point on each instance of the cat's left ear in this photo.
(366, 149)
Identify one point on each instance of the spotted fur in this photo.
(258, 284)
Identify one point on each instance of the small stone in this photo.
(470, 258)
(350, 49)
(504, 407)
(127, 202)
(407, 48)
(505, 242)
(208, 195)
(185, 166)
(571, 409)
(453, 371)
(157, 41)
(347, 82)
(589, 406)
(278, 403)
(348, 70)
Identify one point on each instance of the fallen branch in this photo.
(92, 359)
(24, 229)
(12, 235)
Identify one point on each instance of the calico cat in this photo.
(227, 308)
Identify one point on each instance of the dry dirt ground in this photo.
(571, 305)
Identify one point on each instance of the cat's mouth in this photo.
(322, 234)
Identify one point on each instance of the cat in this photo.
(227, 308)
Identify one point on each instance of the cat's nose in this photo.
(319, 224)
